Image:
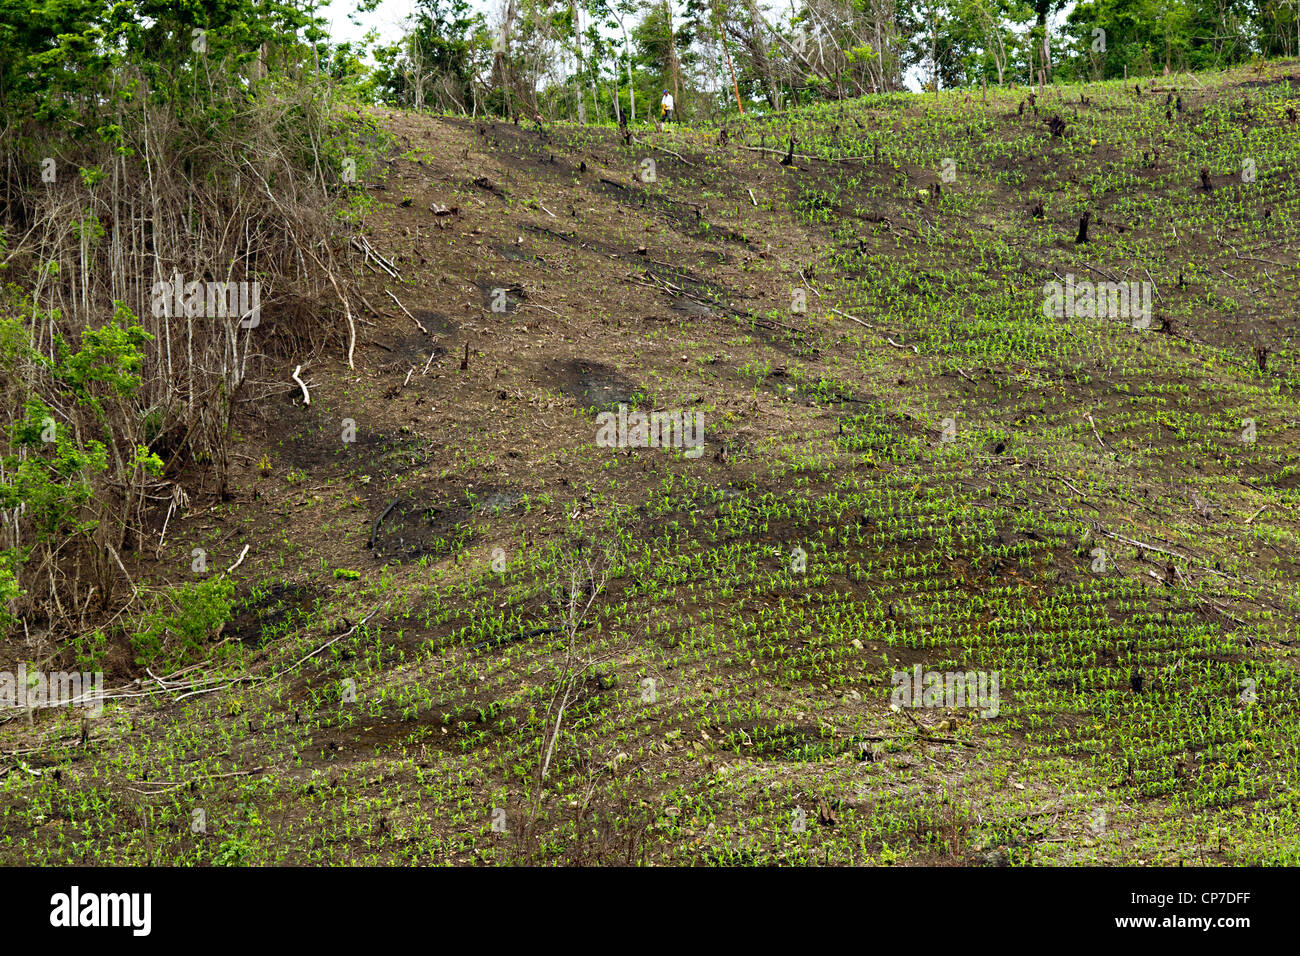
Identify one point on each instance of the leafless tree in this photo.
(583, 572)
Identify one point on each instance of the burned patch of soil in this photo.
(433, 524)
(1290, 80)
(595, 385)
(681, 213)
(333, 443)
(433, 727)
(523, 148)
(265, 617)
(512, 252)
(436, 322)
(406, 530)
(410, 350)
(502, 299)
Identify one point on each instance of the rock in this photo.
(619, 759)
(998, 856)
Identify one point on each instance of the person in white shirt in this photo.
(666, 105)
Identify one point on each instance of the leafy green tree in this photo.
(1136, 37)
(434, 64)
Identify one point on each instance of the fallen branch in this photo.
(924, 733)
(663, 149)
(1159, 297)
(1100, 272)
(134, 589)
(347, 308)
(1224, 611)
(1082, 497)
(242, 554)
(1262, 509)
(249, 677)
(854, 318)
(363, 246)
(306, 395)
(1271, 262)
(332, 641)
(815, 159)
(374, 529)
(408, 314)
(1088, 416)
(167, 786)
(1144, 546)
(534, 305)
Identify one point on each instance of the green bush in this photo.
(182, 619)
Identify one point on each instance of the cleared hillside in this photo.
(906, 461)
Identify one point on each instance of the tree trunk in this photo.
(577, 39)
(500, 65)
(674, 67)
(627, 56)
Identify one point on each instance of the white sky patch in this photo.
(388, 18)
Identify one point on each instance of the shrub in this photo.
(188, 615)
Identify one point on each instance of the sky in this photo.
(387, 18)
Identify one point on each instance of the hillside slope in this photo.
(906, 462)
